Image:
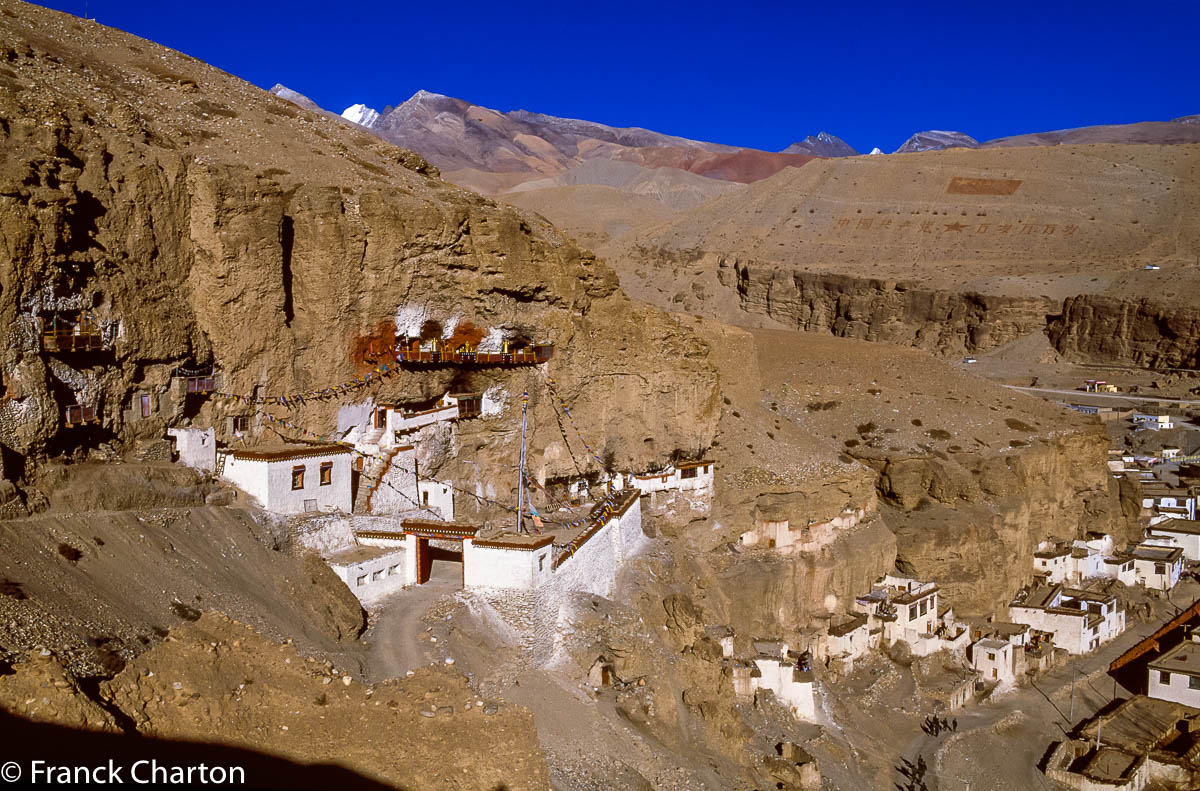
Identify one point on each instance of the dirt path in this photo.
(396, 648)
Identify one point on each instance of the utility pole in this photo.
(521, 473)
(1071, 716)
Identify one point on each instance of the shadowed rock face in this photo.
(203, 221)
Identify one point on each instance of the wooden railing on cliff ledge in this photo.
(411, 354)
(71, 332)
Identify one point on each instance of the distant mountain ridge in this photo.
(459, 136)
(937, 140)
(823, 145)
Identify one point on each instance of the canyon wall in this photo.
(945, 322)
(1096, 328)
(1137, 332)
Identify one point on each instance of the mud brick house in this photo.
(292, 479)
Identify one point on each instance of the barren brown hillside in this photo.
(999, 242)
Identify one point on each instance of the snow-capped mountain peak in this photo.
(360, 114)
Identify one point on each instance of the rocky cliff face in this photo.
(881, 310)
(270, 242)
(972, 522)
(1138, 332)
(1095, 328)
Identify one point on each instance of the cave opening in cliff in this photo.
(287, 238)
(82, 225)
(12, 464)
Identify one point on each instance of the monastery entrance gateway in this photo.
(437, 545)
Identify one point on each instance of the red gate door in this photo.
(424, 561)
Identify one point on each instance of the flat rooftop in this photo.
(1188, 526)
(1183, 658)
(1157, 553)
(352, 555)
(848, 626)
(288, 452)
(1139, 724)
(506, 540)
(989, 644)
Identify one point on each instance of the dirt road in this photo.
(396, 647)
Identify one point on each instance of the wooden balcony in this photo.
(466, 356)
(78, 415)
(65, 335)
(201, 385)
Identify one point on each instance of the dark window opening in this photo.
(326, 473)
(298, 477)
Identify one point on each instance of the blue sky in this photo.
(753, 74)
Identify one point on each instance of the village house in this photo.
(1171, 452)
(370, 572)
(1100, 386)
(1184, 532)
(1080, 620)
(847, 641)
(906, 610)
(197, 448)
(778, 668)
(1107, 414)
(1120, 568)
(1082, 559)
(688, 476)
(1142, 743)
(1157, 563)
(996, 660)
(1168, 500)
(292, 479)
(1175, 676)
(949, 689)
(1158, 421)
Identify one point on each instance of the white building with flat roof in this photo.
(686, 476)
(1082, 559)
(1184, 532)
(1080, 620)
(995, 660)
(1157, 563)
(1175, 676)
(1156, 421)
(293, 479)
(777, 668)
(196, 447)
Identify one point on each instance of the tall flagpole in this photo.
(521, 481)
